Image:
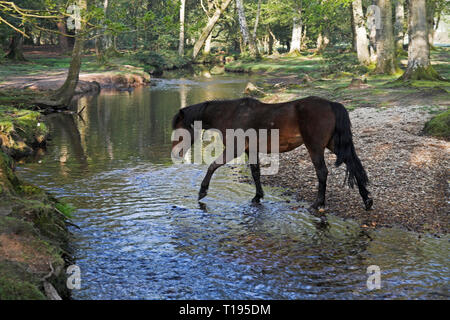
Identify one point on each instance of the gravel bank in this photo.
(408, 172)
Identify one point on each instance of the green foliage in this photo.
(335, 62)
(163, 60)
(65, 208)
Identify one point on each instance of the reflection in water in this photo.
(144, 235)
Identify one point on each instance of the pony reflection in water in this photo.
(315, 122)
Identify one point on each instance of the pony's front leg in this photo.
(220, 161)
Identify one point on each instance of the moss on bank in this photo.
(20, 131)
(439, 126)
(34, 240)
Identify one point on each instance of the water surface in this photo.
(144, 236)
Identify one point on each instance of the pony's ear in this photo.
(177, 118)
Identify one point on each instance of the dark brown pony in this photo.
(313, 121)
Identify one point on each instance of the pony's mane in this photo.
(195, 112)
(189, 114)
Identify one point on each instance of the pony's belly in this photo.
(290, 143)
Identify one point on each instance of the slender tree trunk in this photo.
(247, 39)
(296, 42)
(385, 40)
(63, 41)
(271, 41)
(209, 27)
(399, 23)
(352, 21)
(419, 65)
(258, 14)
(15, 50)
(64, 95)
(362, 42)
(182, 17)
(107, 39)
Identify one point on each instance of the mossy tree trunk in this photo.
(419, 65)
(386, 63)
(15, 50)
(64, 95)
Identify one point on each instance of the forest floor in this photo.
(408, 171)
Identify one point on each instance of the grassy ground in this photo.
(33, 234)
(331, 75)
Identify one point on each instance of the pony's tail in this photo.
(344, 148)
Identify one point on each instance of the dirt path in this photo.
(409, 173)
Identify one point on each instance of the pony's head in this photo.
(183, 126)
(184, 134)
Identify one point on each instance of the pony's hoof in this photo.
(368, 203)
(256, 199)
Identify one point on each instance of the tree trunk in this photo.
(430, 11)
(63, 41)
(371, 23)
(385, 40)
(362, 42)
(209, 27)
(64, 95)
(322, 42)
(399, 22)
(15, 50)
(271, 42)
(419, 66)
(258, 14)
(296, 42)
(107, 39)
(247, 39)
(352, 21)
(207, 47)
(182, 14)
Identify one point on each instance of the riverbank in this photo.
(46, 69)
(34, 240)
(42, 74)
(408, 170)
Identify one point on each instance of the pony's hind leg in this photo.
(317, 157)
(368, 202)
